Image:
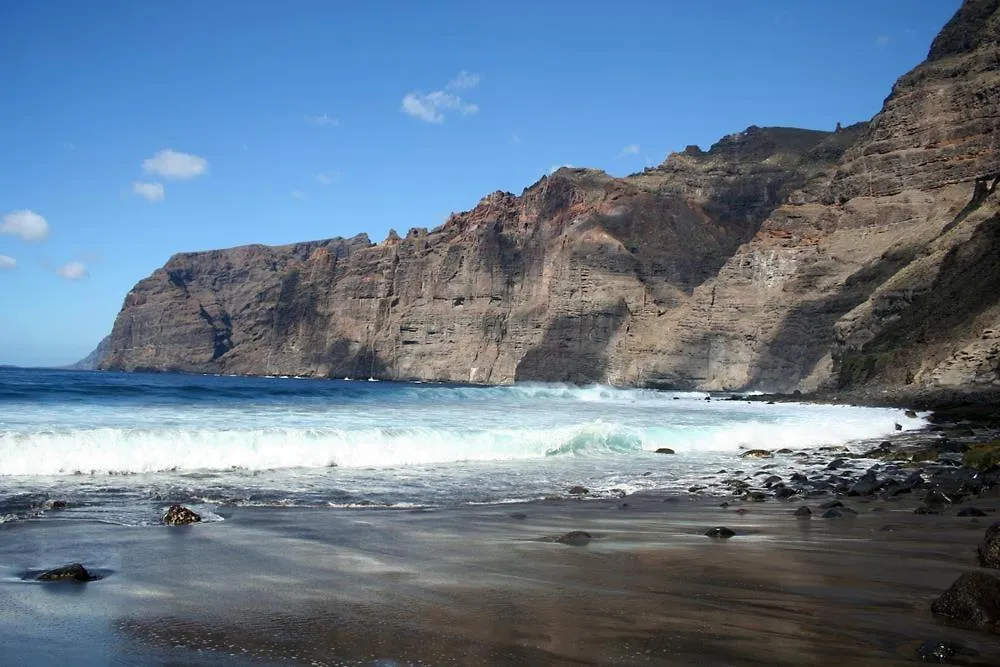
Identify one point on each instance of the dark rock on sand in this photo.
(943, 652)
(578, 491)
(989, 548)
(973, 600)
(74, 572)
(782, 492)
(665, 450)
(575, 538)
(720, 533)
(58, 505)
(803, 512)
(178, 515)
(839, 513)
(771, 481)
(520, 516)
(831, 504)
(971, 511)
(926, 509)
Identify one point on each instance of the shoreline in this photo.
(491, 586)
(494, 584)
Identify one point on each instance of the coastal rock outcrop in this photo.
(973, 600)
(861, 260)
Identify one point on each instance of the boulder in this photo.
(178, 515)
(578, 491)
(803, 512)
(973, 600)
(665, 450)
(73, 573)
(989, 548)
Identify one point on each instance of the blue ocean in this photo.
(120, 447)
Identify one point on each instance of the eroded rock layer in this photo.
(860, 259)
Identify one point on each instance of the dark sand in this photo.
(475, 585)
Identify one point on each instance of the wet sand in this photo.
(479, 585)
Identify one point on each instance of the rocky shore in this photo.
(872, 552)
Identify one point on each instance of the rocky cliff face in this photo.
(779, 259)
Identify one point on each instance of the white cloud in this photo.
(882, 40)
(151, 191)
(298, 194)
(73, 271)
(172, 164)
(556, 167)
(631, 149)
(464, 80)
(28, 225)
(327, 177)
(322, 121)
(515, 139)
(7, 263)
(431, 107)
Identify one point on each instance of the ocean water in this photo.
(121, 447)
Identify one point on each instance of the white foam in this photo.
(368, 441)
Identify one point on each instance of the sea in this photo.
(121, 447)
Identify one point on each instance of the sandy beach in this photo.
(481, 585)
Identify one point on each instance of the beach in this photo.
(348, 523)
(482, 585)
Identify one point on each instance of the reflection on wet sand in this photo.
(476, 586)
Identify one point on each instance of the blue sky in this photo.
(133, 130)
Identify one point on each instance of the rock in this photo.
(989, 548)
(576, 538)
(803, 512)
(973, 600)
(771, 481)
(943, 652)
(756, 496)
(74, 572)
(58, 505)
(924, 509)
(720, 533)
(665, 450)
(983, 456)
(898, 427)
(784, 492)
(912, 414)
(830, 504)
(520, 516)
(971, 511)
(839, 513)
(696, 488)
(178, 515)
(836, 464)
(756, 454)
(578, 491)
(936, 497)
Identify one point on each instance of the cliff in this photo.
(780, 259)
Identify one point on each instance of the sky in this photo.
(130, 131)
